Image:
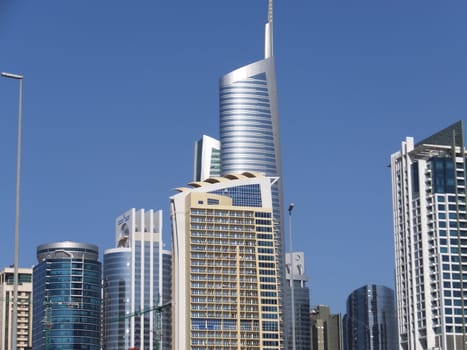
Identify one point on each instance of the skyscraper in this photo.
(249, 130)
(67, 297)
(370, 322)
(249, 124)
(135, 286)
(430, 239)
(226, 264)
(207, 158)
(24, 320)
(326, 329)
(295, 273)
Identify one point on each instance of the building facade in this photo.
(207, 158)
(249, 129)
(249, 125)
(430, 240)
(370, 322)
(226, 264)
(24, 320)
(67, 297)
(295, 274)
(326, 329)
(135, 286)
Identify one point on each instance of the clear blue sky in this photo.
(116, 93)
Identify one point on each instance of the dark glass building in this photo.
(295, 273)
(67, 297)
(116, 303)
(370, 322)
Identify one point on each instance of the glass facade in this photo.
(137, 284)
(370, 322)
(67, 295)
(116, 303)
(249, 128)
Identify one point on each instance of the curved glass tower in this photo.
(67, 297)
(249, 124)
(370, 322)
(116, 303)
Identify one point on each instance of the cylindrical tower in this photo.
(67, 297)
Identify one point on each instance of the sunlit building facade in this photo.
(249, 125)
(430, 239)
(67, 297)
(225, 265)
(207, 158)
(136, 289)
(24, 319)
(326, 329)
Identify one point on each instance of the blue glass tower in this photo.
(67, 297)
(116, 303)
(137, 284)
(370, 322)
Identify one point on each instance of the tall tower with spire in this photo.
(249, 125)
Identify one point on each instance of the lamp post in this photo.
(14, 320)
(292, 293)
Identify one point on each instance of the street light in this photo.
(292, 296)
(14, 320)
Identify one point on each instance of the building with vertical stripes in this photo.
(136, 284)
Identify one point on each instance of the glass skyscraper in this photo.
(116, 302)
(226, 263)
(370, 322)
(137, 284)
(67, 297)
(249, 124)
(430, 238)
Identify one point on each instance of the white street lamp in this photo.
(292, 292)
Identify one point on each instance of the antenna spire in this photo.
(268, 33)
(270, 11)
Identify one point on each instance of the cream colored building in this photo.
(24, 330)
(225, 265)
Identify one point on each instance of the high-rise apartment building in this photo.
(430, 238)
(207, 158)
(137, 284)
(67, 297)
(249, 124)
(295, 273)
(370, 322)
(24, 320)
(225, 265)
(326, 329)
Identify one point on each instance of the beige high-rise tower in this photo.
(225, 265)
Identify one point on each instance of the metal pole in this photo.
(14, 320)
(292, 292)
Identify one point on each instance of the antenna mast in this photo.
(268, 32)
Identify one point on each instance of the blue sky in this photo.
(116, 93)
